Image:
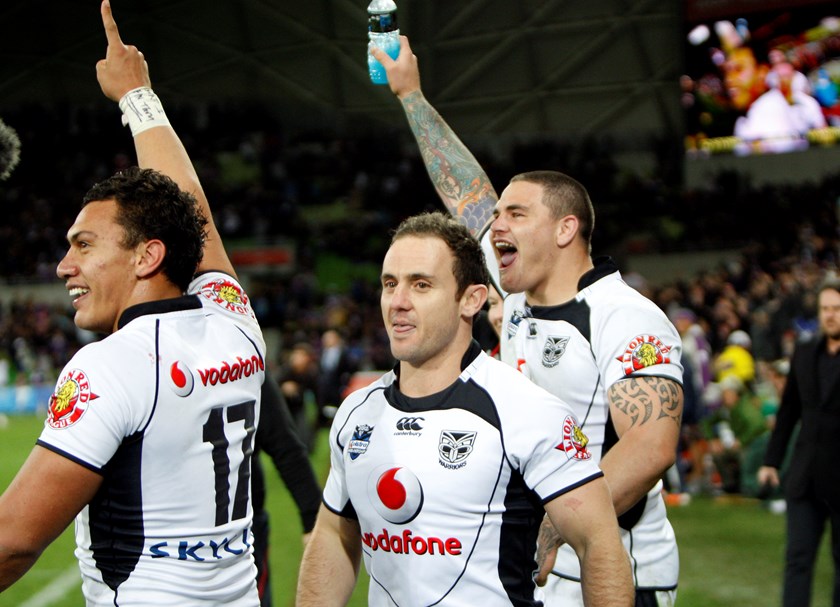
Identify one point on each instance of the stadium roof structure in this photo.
(492, 67)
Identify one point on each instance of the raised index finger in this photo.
(111, 31)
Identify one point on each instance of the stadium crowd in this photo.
(339, 197)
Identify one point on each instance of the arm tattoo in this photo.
(643, 399)
(461, 183)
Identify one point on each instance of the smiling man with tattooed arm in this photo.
(574, 327)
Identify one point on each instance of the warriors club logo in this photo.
(574, 440)
(70, 400)
(226, 294)
(553, 349)
(396, 494)
(454, 448)
(644, 351)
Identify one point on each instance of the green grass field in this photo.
(731, 552)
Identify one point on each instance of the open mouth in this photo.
(76, 293)
(507, 253)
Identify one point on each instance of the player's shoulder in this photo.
(221, 291)
(364, 393)
(119, 349)
(502, 381)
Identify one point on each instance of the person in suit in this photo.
(812, 483)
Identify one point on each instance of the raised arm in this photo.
(461, 183)
(124, 78)
(330, 562)
(585, 519)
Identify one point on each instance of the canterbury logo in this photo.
(407, 424)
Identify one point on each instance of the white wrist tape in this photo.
(142, 110)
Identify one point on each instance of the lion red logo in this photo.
(70, 400)
(226, 294)
(644, 351)
(574, 440)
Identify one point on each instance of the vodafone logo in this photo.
(230, 372)
(182, 379)
(396, 494)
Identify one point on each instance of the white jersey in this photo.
(577, 351)
(165, 409)
(448, 489)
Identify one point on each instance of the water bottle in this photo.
(383, 33)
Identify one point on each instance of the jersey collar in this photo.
(406, 403)
(161, 306)
(604, 266)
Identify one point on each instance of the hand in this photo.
(768, 475)
(403, 74)
(124, 67)
(548, 542)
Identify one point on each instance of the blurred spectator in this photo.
(732, 431)
(298, 379)
(736, 359)
(336, 367)
(811, 403)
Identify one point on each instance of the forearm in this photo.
(13, 565)
(587, 521)
(606, 579)
(330, 563)
(161, 149)
(456, 175)
(632, 468)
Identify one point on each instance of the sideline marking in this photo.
(55, 590)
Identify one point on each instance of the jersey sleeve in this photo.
(633, 337)
(104, 395)
(336, 496)
(544, 440)
(223, 294)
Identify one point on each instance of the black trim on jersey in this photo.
(117, 533)
(347, 512)
(574, 312)
(577, 312)
(161, 306)
(253, 343)
(66, 455)
(521, 522)
(604, 266)
(580, 483)
(468, 396)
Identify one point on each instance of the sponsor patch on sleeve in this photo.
(70, 400)
(226, 294)
(644, 351)
(574, 440)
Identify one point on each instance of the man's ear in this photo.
(567, 229)
(150, 256)
(473, 299)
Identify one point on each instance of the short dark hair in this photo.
(829, 282)
(150, 205)
(469, 265)
(563, 196)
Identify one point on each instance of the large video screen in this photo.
(761, 77)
